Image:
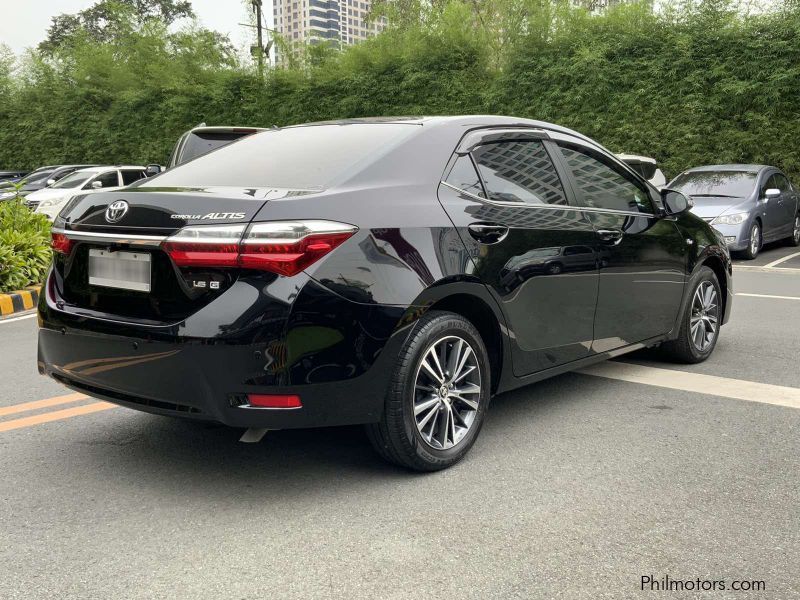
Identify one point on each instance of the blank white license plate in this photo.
(123, 270)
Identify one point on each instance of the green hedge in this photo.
(24, 246)
(705, 86)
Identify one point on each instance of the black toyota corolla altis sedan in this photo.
(390, 272)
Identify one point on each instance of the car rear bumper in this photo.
(322, 356)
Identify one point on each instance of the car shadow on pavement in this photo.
(207, 458)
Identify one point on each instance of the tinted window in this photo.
(129, 176)
(737, 184)
(108, 179)
(199, 143)
(601, 185)
(519, 172)
(464, 176)
(295, 158)
(782, 183)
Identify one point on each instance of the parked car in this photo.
(44, 177)
(646, 167)
(748, 204)
(51, 200)
(12, 175)
(332, 274)
(203, 139)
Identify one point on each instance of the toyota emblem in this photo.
(116, 210)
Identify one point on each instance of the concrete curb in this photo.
(16, 302)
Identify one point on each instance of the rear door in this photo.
(533, 250)
(642, 257)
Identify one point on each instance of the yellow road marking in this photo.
(27, 300)
(57, 415)
(6, 305)
(36, 404)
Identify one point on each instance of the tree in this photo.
(102, 21)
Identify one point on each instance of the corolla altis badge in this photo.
(116, 210)
(214, 216)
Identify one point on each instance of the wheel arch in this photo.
(472, 301)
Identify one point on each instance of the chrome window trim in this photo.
(93, 236)
(549, 206)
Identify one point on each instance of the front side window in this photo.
(130, 175)
(782, 183)
(107, 180)
(519, 171)
(601, 185)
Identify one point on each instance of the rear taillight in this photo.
(283, 247)
(288, 247)
(206, 246)
(61, 243)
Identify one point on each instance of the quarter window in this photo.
(464, 177)
(519, 172)
(602, 185)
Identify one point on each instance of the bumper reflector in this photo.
(274, 400)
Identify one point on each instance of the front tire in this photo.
(438, 395)
(700, 321)
(754, 246)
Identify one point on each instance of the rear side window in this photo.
(309, 157)
(602, 185)
(464, 177)
(129, 176)
(519, 171)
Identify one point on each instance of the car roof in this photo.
(96, 168)
(730, 167)
(465, 122)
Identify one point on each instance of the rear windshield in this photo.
(199, 143)
(737, 184)
(296, 158)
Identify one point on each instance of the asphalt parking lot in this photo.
(577, 488)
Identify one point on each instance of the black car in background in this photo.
(396, 273)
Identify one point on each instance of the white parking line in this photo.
(780, 260)
(784, 270)
(253, 435)
(768, 296)
(712, 385)
(12, 319)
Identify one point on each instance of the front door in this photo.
(642, 257)
(534, 251)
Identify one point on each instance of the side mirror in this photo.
(675, 202)
(772, 193)
(97, 184)
(50, 182)
(152, 170)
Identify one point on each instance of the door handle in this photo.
(610, 236)
(487, 233)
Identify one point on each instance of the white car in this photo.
(49, 201)
(646, 167)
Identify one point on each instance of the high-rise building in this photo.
(316, 21)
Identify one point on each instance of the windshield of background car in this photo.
(738, 184)
(74, 180)
(201, 142)
(307, 157)
(39, 177)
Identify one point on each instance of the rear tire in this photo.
(696, 340)
(437, 397)
(754, 246)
